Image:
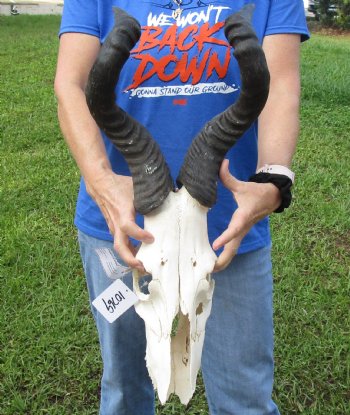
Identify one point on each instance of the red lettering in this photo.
(148, 39)
(192, 68)
(205, 33)
(158, 67)
(215, 64)
(140, 76)
(183, 37)
(161, 68)
(180, 101)
(169, 39)
(169, 67)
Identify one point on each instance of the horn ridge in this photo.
(199, 172)
(151, 176)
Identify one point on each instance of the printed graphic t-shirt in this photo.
(179, 75)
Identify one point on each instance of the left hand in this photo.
(255, 201)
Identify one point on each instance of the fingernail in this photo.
(149, 240)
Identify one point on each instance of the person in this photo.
(180, 74)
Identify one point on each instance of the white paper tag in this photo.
(111, 266)
(115, 300)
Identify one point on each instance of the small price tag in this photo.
(115, 300)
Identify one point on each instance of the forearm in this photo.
(279, 129)
(81, 133)
(78, 127)
(278, 126)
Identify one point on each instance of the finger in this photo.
(126, 251)
(134, 250)
(235, 230)
(131, 229)
(137, 248)
(226, 256)
(229, 181)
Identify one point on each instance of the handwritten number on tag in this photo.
(114, 301)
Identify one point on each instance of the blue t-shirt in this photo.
(180, 74)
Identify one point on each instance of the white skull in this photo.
(180, 261)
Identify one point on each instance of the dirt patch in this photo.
(332, 32)
(342, 241)
(316, 27)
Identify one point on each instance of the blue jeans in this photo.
(237, 360)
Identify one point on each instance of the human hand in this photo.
(114, 195)
(255, 201)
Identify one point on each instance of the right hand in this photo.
(114, 195)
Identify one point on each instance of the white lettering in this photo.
(161, 20)
(181, 90)
(186, 18)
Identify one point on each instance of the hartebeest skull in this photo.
(180, 260)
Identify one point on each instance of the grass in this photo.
(49, 360)
(312, 244)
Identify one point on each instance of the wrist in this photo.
(98, 171)
(282, 182)
(277, 169)
(97, 177)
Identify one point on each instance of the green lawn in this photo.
(49, 356)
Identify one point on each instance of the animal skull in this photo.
(180, 259)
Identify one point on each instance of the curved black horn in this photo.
(199, 172)
(150, 174)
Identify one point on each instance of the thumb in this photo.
(229, 181)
